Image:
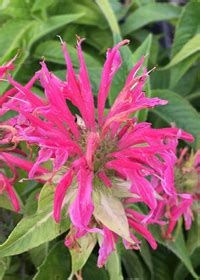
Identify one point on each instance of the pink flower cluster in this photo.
(132, 162)
(187, 182)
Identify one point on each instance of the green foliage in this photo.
(179, 111)
(56, 265)
(30, 29)
(35, 229)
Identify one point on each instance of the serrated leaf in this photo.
(152, 12)
(178, 111)
(57, 264)
(86, 246)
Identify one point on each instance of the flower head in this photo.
(112, 164)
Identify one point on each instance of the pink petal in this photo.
(22, 163)
(82, 208)
(60, 192)
(107, 246)
(85, 88)
(112, 64)
(144, 232)
(4, 184)
(44, 155)
(93, 141)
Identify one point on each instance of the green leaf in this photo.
(178, 111)
(112, 20)
(188, 82)
(32, 231)
(143, 49)
(113, 265)
(178, 71)
(181, 272)
(16, 29)
(39, 8)
(6, 203)
(16, 8)
(91, 271)
(152, 12)
(178, 247)
(24, 34)
(110, 16)
(35, 229)
(92, 14)
(140, 3)
(38, 254)
(193, 240)
(31, 203)
(57, 264)
(41, 28)
(193, 96)
(147, 257)
(52, 51)
(190, 48)
(187, 27)
(133, 265)
(86, 246)
(161, 264)
(109, 210)
(101, 42)
(4, 265)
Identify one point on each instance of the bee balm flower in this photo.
(109, 164)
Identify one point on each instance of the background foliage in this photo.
(168, 34)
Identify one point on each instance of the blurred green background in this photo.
(168, 34)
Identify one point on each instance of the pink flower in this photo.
(182, 204)
(111, 163)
